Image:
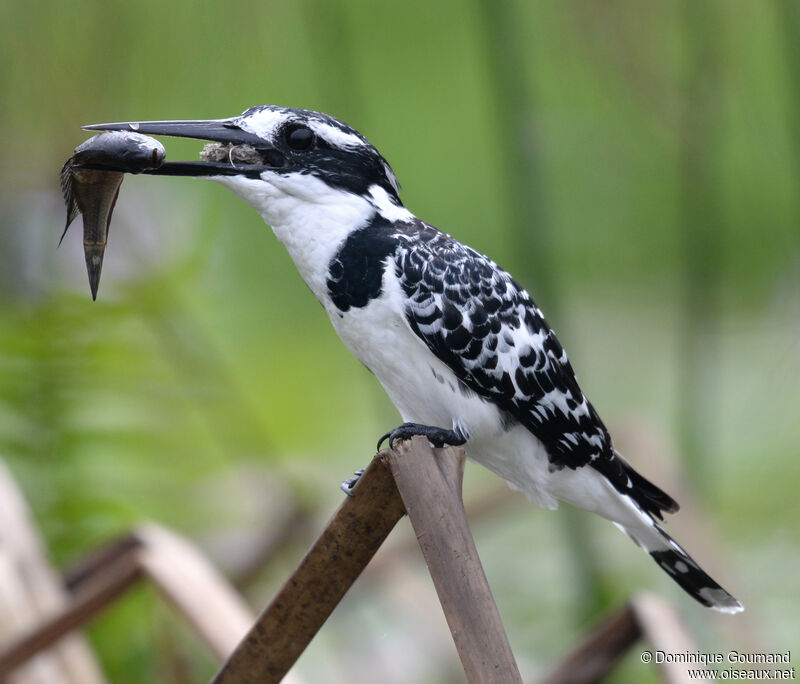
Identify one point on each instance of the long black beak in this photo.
(214, 130)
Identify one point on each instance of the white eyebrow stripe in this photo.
(263, 123)
(335, 135)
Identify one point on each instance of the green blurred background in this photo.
(634, 164)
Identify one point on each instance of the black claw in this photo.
(348, 484)
(383, 439)
(437, 436)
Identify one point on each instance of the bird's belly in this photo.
(422, 388)
(426, 391)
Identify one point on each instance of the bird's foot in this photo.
(347, 485)
(437, 436)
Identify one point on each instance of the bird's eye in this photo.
(300, 138)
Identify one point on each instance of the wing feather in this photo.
(476, 319)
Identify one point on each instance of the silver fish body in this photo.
(90, 181)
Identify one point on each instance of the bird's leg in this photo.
(348, 484)
(437, 436)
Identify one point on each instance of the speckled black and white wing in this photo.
(476, 319)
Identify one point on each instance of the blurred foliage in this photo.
(206, 357)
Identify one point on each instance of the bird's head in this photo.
(270, 152)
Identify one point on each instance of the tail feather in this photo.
(648, 496)
(652, 498)
(681, 567)
(633, 504)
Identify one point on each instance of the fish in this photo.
(90, 181)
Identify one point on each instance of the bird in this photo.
(461, 349)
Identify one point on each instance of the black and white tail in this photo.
(680, 566)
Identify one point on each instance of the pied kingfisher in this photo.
(460, 348)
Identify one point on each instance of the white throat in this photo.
(307, 215)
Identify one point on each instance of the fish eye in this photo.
(299, 137)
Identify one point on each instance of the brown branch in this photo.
(174, 566)
(84, 571)
(430, 485)
(334, 562)
(93, 596)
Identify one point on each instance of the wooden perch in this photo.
(428, 486)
